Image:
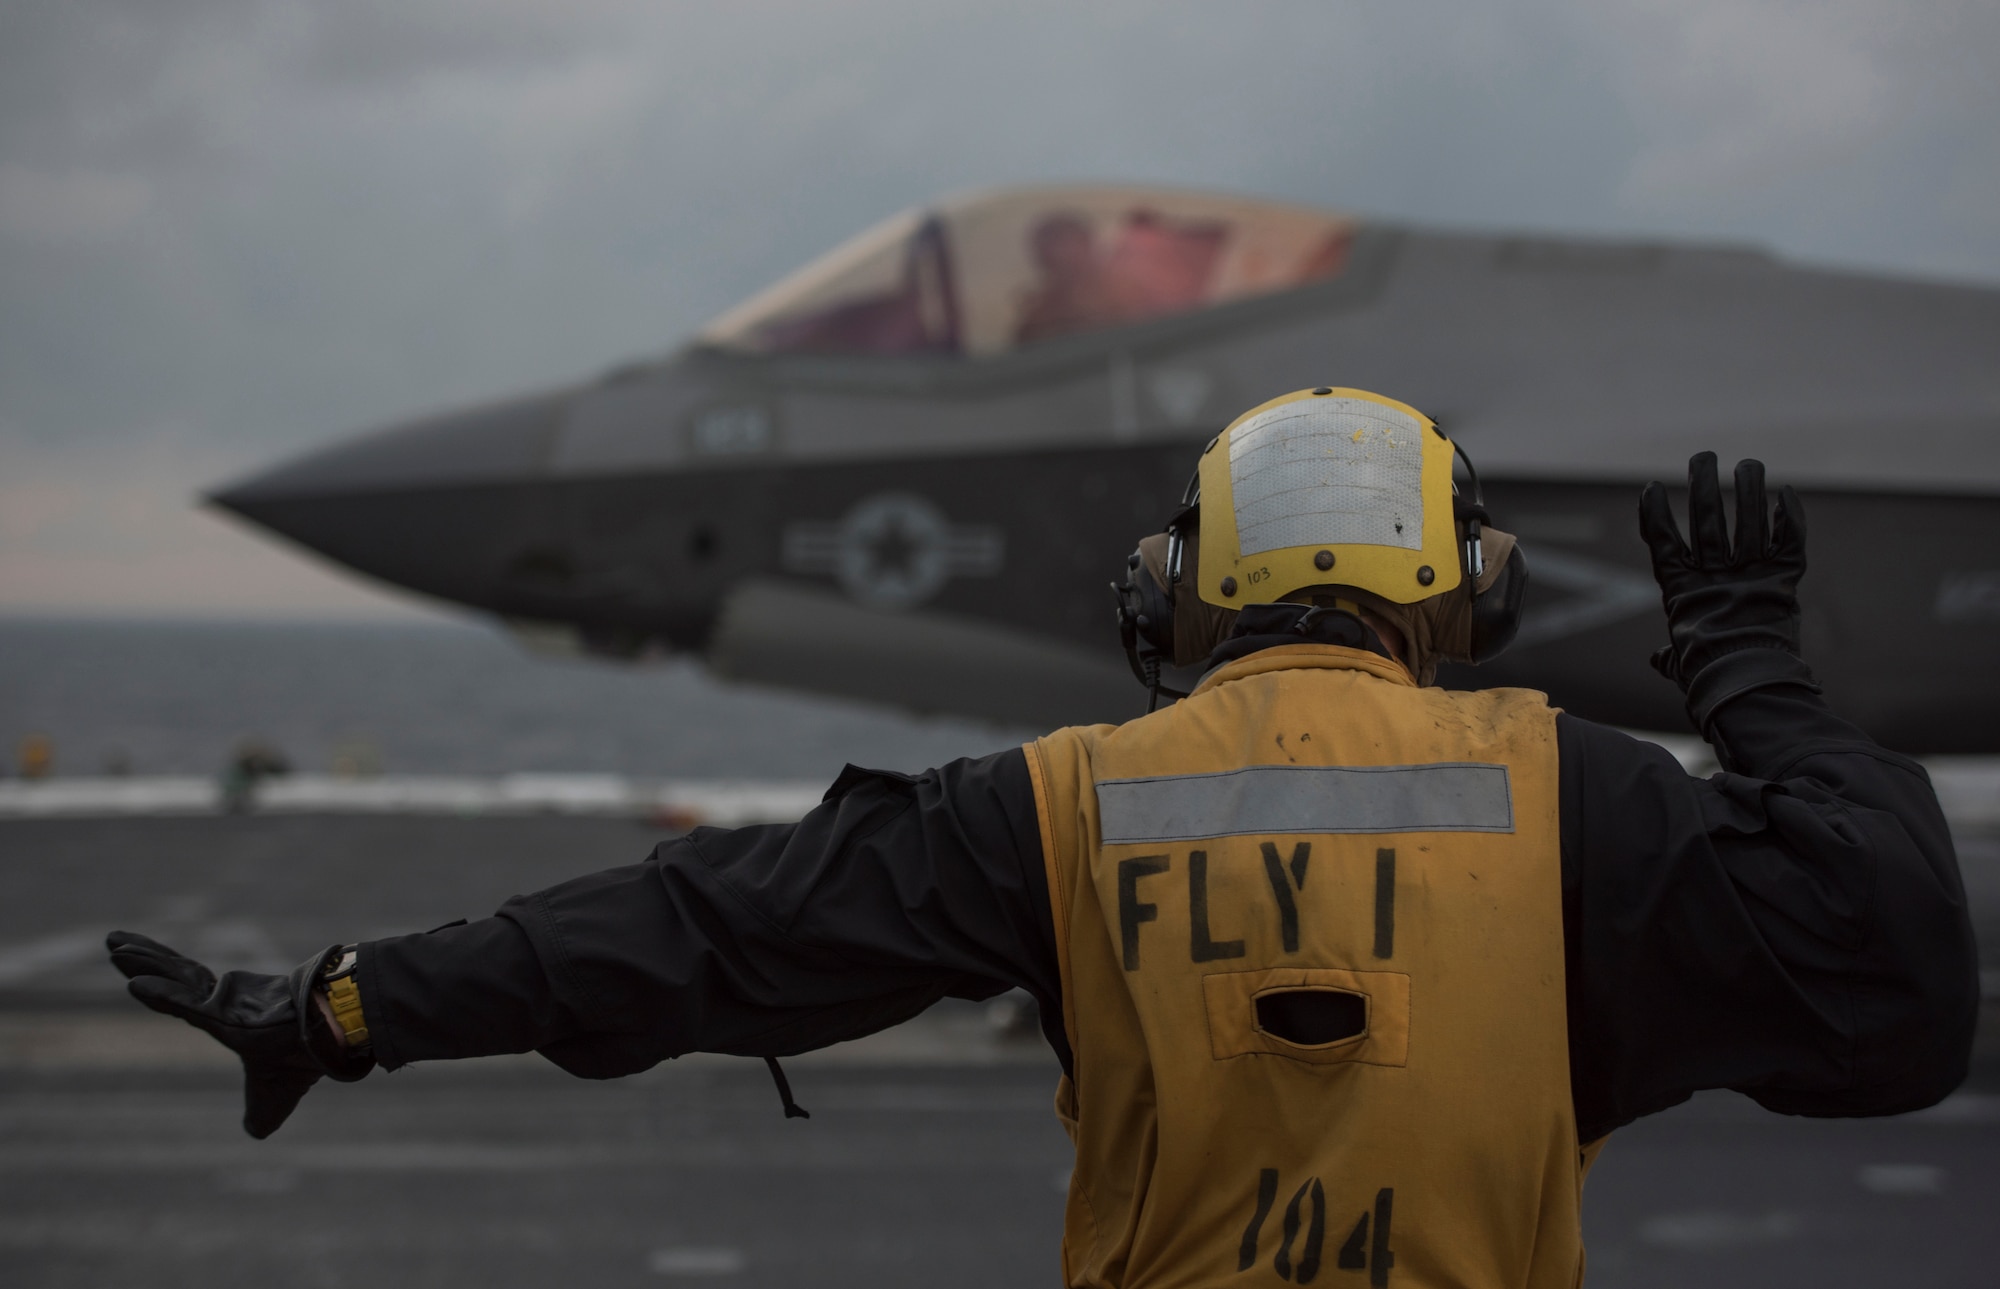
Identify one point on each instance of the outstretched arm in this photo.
(896, 891)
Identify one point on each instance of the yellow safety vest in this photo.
(1310, 929)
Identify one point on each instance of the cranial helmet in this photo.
(1334, 497)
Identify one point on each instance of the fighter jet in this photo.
(907, 472)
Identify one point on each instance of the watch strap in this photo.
(343, 995)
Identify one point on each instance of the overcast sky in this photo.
(232, 229)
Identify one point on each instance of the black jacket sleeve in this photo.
(896, 891)
(1793, 928)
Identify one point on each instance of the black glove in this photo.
(271, 1022)
(1732, 612)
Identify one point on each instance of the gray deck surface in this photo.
(931, 1158)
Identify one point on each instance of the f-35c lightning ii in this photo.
(907, 471)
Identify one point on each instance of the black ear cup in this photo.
(1145, 619)
(1496, 611)
(1146, 616)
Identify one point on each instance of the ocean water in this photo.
(150, 697)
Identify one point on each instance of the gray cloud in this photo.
(242, 226)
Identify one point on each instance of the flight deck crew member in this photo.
(1349, 976)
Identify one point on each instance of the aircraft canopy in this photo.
(990, 272)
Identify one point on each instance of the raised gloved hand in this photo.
(1732, 609)
(270, 1022)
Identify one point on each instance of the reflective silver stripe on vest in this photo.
(1455, 796)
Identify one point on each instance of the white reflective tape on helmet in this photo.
(1327, 472)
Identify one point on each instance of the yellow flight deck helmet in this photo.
(1330, 490)
(1328, 486)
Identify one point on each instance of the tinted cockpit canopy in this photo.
(991, 272)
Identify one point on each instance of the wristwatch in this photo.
(344, 996)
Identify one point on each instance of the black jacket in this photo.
(1793, 928)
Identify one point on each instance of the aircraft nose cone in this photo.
(504, 442)
(429, 505)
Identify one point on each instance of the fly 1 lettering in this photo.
(1286, 876)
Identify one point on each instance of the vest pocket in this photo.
(1312, 1017)
(1318, 1016)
